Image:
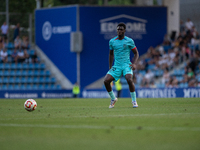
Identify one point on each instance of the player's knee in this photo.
(106, 81)
(129, 80)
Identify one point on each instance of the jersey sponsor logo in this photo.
(48, 30)
(135, 27)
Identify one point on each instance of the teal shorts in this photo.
(116, 72)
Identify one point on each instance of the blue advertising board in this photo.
(102, 93)
(27, 94)
(53, 27)
(147, 93)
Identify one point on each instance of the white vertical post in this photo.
(30, 29)
(7, 16)
(78, 53)
(37, 4)
(105, 2)
(173, 15)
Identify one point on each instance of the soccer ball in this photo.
(30, 104)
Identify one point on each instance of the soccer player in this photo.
(120, 48)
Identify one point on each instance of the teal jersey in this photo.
(122, 50)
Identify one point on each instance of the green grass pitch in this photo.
(88, 124)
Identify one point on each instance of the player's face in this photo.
(120, 31)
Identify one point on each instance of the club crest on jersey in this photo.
(124, 46)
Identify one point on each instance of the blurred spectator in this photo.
(14, 55)
(34, 57)
(182, 26)
(189, 24)
(17, 42)
(193, 83)
(152, 85)
(185, 78)
(174, 82)
(16, 31)
(166, 40)
(5, 42)
(4, 56)
(190, 74)
(1, 43)
(4, 30)
(25, 42)
(160, 49)
(20, 56)
(149, 76)
(165, 77)
(26, 56)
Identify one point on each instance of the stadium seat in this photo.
(9, 52)
(17, 80)
(7, 66)
(23, 80)
(11, 80)
(10, 46)
(4, 87)
(53, 80)
(29, 80)
(31, 52)
(1, 66)
(10, 87)
(16, 87)
(13, 66)
(24, 73)
(41, 86)
(47, 80)
(25, 66)
(41, 80)
(36, 73)
(12, 73)
(28, 87)
(1, 73)
(5, 80)
(58, 87)
(23, 87)
(30, 73)
(42, 66)
(31, 66)
(19, 66)
(35, 87)
(36, 66)
(6, 73)
(47, 86)
(18, 73)
(35, 80)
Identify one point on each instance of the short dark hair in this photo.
(122, 24)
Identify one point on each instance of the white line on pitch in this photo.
(93, 115)
(104, 127)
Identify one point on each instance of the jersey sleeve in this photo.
(132, 44)
(110, 44)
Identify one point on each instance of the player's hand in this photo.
(132, 66)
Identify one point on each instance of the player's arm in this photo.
(111, 58)
(135, 58)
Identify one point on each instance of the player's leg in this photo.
(107, 82)
(129, 79)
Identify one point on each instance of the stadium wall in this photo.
(146, 25)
